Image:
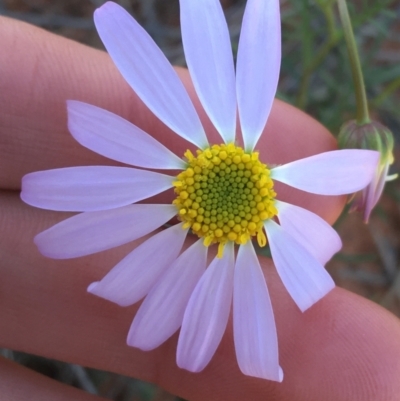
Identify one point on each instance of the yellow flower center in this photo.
(225, 194)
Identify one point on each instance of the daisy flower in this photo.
(224, 193)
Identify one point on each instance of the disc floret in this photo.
(225, 194)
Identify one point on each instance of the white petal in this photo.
(207, 314)
(304, 277)
(116, 138)
(161, 313)
(258, 65)
(208, 53)
(337, 172)
(309, 230)
(92, 232)
(91, 188)
(254, 330)
(132, 278)
(148, 72)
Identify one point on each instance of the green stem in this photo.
(392, 87)
(334, 38)
(361, 96)
(324, 50)
(330, 19)
(312, 63)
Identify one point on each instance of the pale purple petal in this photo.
(161, 313)
(358, 200)
(337, 172)
(92, 232)
(254, 330)
(309, 230)
(207, 313)
(116, 138)
(148, 72)
(132, 278)
(304, 277)
(258, 65)
(208, 53)
(374, 190)
(91, 188)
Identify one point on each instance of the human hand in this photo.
(343, 348)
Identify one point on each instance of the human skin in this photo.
(343, 348)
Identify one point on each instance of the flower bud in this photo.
(371, 136)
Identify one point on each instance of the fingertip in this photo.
(344, 347)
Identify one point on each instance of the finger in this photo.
(47, 70)
(18, 383)
(343, 348)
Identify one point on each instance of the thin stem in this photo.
(323, 51)
(330, 19)
(361, 96)
(392, 87)
(312, 63)
(334, 38)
